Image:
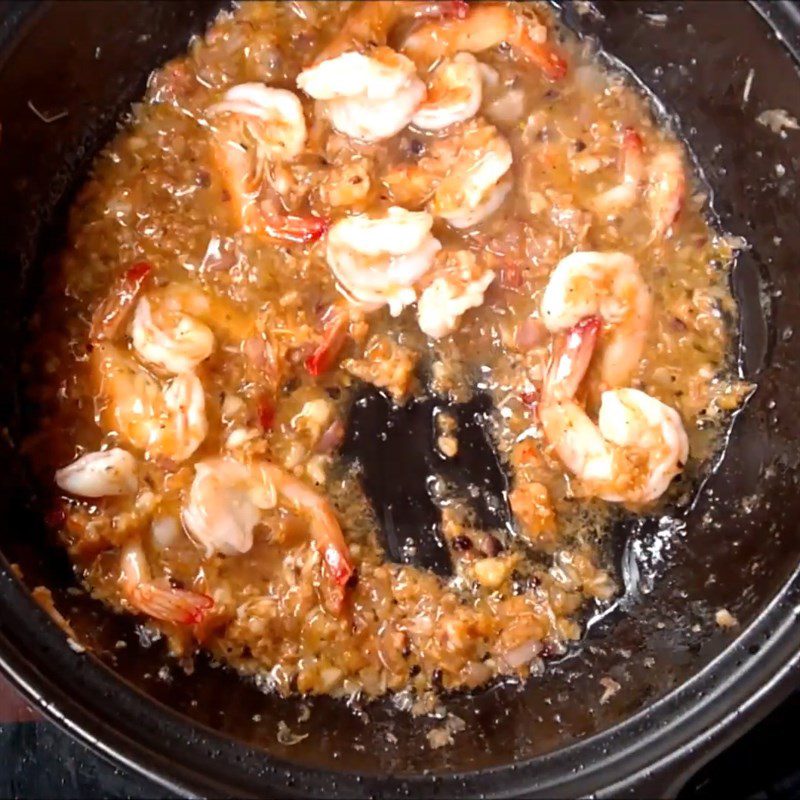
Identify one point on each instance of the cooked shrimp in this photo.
(367, 97)
(453, 289)
(377, 260)
(474, 188)
(484, 27)
(225, 506)
(168, 422)
(638, 444)
(169, 327)
(665, 179)
(104, 473)
(667, 189)
(157, 598)
(259, 126)
(610, 285)
(370, 22)
(166, 331)
(625, 195)
(462, 178)
(226, 501)
(273, 118)
(455, 92)
(243, 172)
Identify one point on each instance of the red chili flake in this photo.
(138, 272)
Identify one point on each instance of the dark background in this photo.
(39, 760)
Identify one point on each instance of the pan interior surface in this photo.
(735, 547)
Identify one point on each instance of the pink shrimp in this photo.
(636, 447)
(486, 26)
(157, 598)
(624, 196)
(226, 502)
(371, 22)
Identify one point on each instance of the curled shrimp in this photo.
(168, 422)
(367, 97)
(254, 126)
(475, 184)
(638, 444)
(627, 192)
(370, 22)
(169, 327)
(486, 26)
(166, 331)
(377, 260)
(104, 473)
(451, 290)
(157, 598)
(462, 179)
(455, 92)
(227, 499)
(608, 285)
(225, 506)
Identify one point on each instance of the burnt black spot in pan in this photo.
(400, 463)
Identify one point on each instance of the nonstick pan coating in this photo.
(687, 685)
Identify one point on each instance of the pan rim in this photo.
(761, 680)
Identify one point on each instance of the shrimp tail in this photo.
(572, 354)
(172, 605)
(541, 54)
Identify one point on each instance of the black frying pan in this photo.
(688, 687)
